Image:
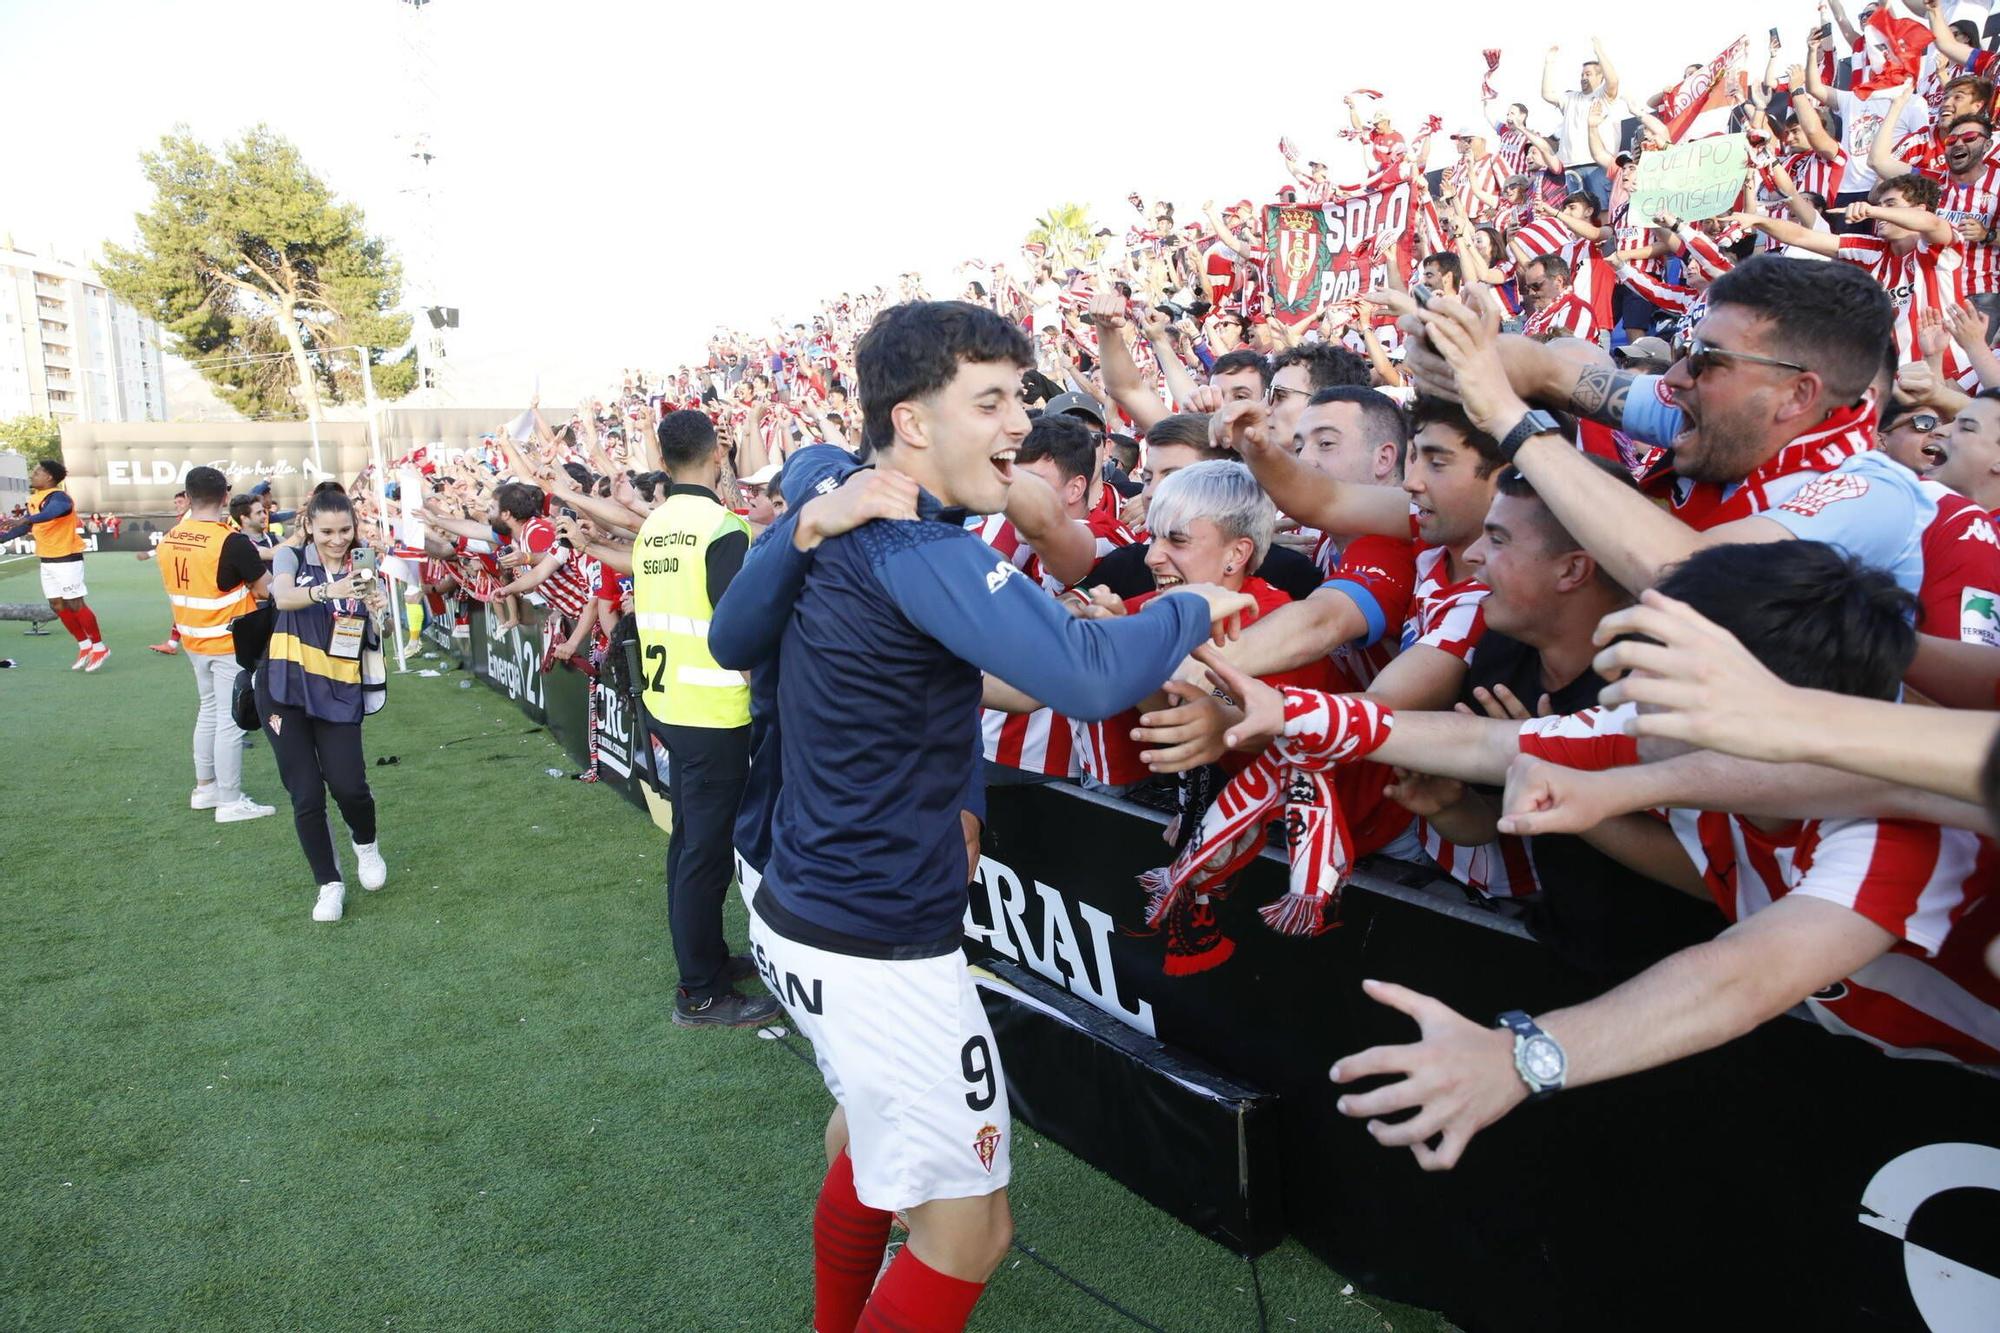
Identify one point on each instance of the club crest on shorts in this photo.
(986, 1143)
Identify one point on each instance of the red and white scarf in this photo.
(1288, 780)
(1845, 432)
(1492, 54)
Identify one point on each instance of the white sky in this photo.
(618, 179)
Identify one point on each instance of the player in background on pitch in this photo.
(857, 924)
(59, 545)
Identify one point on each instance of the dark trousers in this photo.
(314, 756)
(707, 767)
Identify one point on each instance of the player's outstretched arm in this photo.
(957, 590)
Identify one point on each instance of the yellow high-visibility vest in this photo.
(683, 685)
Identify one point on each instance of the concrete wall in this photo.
(135, 467)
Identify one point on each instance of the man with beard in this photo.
(1765, 430)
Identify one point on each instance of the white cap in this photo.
(763, 475)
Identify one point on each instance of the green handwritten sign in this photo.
(1694, 180)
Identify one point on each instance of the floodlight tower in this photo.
(434, 318)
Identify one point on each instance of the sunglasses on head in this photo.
(1700, 357)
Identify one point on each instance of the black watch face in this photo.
(1543, 1060)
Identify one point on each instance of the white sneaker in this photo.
(240, 809)
(332, 897)
(205, 798)
(373, 872)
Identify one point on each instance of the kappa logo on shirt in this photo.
(1817, 495)
(1979, 530)
(998, 578)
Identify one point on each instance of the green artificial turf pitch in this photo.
(463, 1107)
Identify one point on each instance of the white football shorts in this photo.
(905, 1048)
(62, 578)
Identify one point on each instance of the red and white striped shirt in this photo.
(1445, 615)
(1927, 277)
(1546, 236)
(1498, 869)
(1566, 314)
(1378, 569)
(1976, 200)
(575, 582)
(1511, 147)
(1815, 174)
(1042, 741)
(1916, 881)
(1468, 178)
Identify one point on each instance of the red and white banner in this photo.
(1324, 254)
(1708, 94)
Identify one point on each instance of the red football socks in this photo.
(88, 619)
(913, 1297)
(73, 624)
(848, 1240)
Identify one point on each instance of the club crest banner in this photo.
(1321, 254)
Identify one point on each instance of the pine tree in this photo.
(247, 254)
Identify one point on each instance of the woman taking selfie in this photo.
(321, 675)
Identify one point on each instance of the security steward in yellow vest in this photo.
(688, 551)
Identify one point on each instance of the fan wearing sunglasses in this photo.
(1766, 425)
(1914, 437)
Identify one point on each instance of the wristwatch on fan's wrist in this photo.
(1536, 422)
(1538, 1057)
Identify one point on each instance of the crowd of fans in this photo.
(1639, 574)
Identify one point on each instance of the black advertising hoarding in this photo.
(1791, 1178)
(1791, 1175)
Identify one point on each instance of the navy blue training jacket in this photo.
(879, 688)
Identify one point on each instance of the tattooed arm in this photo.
(1570, 374)
(1631, 537)
(1600, 394)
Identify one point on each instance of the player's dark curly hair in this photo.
(58, 471)
(914, 349)
(1833, 318)
(1814, 615)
